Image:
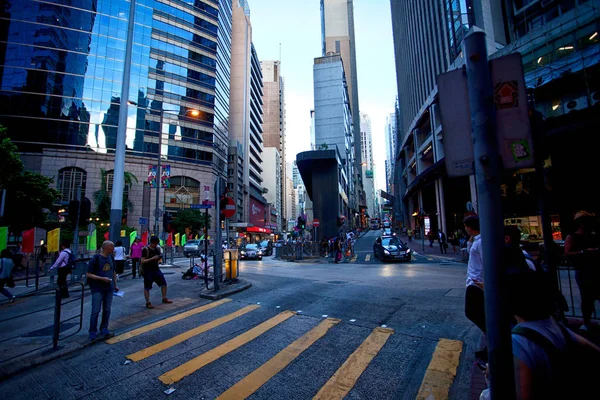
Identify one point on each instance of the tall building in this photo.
(272, 180)
(367, 165)
(390, 149)
(61, 72)
(337, 37)
(558, 42)
(274, 123)
(245, 122)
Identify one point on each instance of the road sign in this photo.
(143, 221)
(506, 95)
(200, 206)
(209, 202)
(227, 207)
(316, 223)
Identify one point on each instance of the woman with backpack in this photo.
(65, 264)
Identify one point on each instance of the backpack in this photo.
(71, 262)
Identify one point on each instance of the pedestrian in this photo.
(443, 242)
(42, 256)
(6, 267)
(120, 255)
(136, 256)
(337, 245)
(431, 238)
(581, 248)
(474, 303)
(102, 278)
(65, 266)
(17, 256)
(151, 256)
(453, 241)
(409, 232)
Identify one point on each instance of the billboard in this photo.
(257, 213)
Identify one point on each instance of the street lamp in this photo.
(191, 112)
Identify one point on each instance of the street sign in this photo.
(506, 95)
(227, 207)
(209, 202)
(200, 206)
(158, 212)
(143, 221)
(316, 223)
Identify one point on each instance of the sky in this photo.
(290, 31)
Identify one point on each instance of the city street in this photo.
(375, 326)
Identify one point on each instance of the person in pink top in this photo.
(136, 255)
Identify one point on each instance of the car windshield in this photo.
(264, 243)
(390, 242)
(252, 246)
(192, 242)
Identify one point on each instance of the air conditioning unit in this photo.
(575, 103)
(594, 98)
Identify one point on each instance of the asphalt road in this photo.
(332, 341)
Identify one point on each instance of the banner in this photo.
(165, 178)
(177, 239)
(28, 241)
(106, 236)
(170, 240)
(123, 233)
(132, 237)
(145, 238)
(152, 176)
(92, 241)
(3, 237)
(53, 239)
(183, 239)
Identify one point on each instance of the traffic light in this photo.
(301, 223)
(222, 204)
(167, 218)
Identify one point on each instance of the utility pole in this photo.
(158, 210)
(487, 173)
(116, 204)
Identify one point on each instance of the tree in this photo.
(192, 219)
(29, 196)
(103, 198)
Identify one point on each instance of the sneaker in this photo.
(105, 332)
(12, 299)
(584, 328)
(149, 305)
(93, 335)
(166, 301)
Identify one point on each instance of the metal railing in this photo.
(566, 283)
(299, 251)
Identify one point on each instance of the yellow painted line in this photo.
(166, 321)
(150, 351)
(441, 370)
(177, 374)
(262, 374)
(344, 379)
(368, 257)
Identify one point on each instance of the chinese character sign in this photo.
(152, 176)
(165, 178)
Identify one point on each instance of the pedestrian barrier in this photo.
(566, 281)
(299, 251)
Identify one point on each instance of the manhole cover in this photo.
(47, 331)
(337, 282)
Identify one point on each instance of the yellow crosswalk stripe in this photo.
(344, 379)
(368, 257)
(262, 374)
(149, 351)
(441, 370)
(177, 374)
(166, 321)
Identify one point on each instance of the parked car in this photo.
(193, 247)
(267, 247)
(251, 251)
(391, 248)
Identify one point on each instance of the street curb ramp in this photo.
(236, 286)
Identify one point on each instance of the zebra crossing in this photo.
(261, 351)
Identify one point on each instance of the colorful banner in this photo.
(183, 239)
(177, 239)
(53, 239)
(152, 176)
(106, 236)
(3, 237)
(28, 241)
(123, 233)
(165, 178)
(132, 237)
(170, 240)
(145, 238)
(92, 240)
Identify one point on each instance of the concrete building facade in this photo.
(367, 165)
(272, 181)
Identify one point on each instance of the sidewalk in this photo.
(417, 246)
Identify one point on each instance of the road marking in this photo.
(344, 379)
(177, 374)
(441, 370)
(252, 382)
(166, 321)
(149, 351)
(368, 257)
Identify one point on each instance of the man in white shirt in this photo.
(474, 302)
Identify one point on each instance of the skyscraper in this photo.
(390, 148)
(367, 166)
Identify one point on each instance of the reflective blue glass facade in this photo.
(61, 71)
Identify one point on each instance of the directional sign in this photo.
(143, 221)
(316, 223)
(200, 206)
(227, 207)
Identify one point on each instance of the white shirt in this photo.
(475, 265)
(119, 253)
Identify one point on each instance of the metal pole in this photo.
(116, 204)
(158, 209)
(56, 328)
(206, 244)
(487, 172)
(218, 257)
(2, 200)
(76, 232)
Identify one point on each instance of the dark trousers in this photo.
(475, 306)
(119, 266)
(61, 280)
(588, 283)
(134, 266)
(443, 247)
(100, 300)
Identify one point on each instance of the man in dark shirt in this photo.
(103, 282)
(152, 274)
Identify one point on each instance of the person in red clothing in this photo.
(136, 256)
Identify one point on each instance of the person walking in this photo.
(338, 250)
(453, 241)
(64, 265)
(151, 256)
(581, 248)
(443, 242)
(6, 267)
(102, 279)
(120, 255)
(42, 256)
(431, 238)
(136, 256)
(409, 232)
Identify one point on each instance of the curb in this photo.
(236, 287)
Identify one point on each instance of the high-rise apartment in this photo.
(390, 148)
(367, 166)
(61, 72)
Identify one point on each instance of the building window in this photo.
(69, 179)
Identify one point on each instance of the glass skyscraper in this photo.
(61, 71)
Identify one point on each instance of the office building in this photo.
(272, 182)
(390, 149)
(367, 166)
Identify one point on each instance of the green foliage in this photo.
(102, 197)
(188, 218)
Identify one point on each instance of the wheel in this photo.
(260, 259)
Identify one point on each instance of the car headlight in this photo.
(407, 251)
(386, 252)
(259, 252)
(242, 252)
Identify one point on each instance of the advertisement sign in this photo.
(165, 178)
(152, 176)
(257, 212)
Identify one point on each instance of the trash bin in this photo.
(230, 257)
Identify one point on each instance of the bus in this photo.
(375, 223)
